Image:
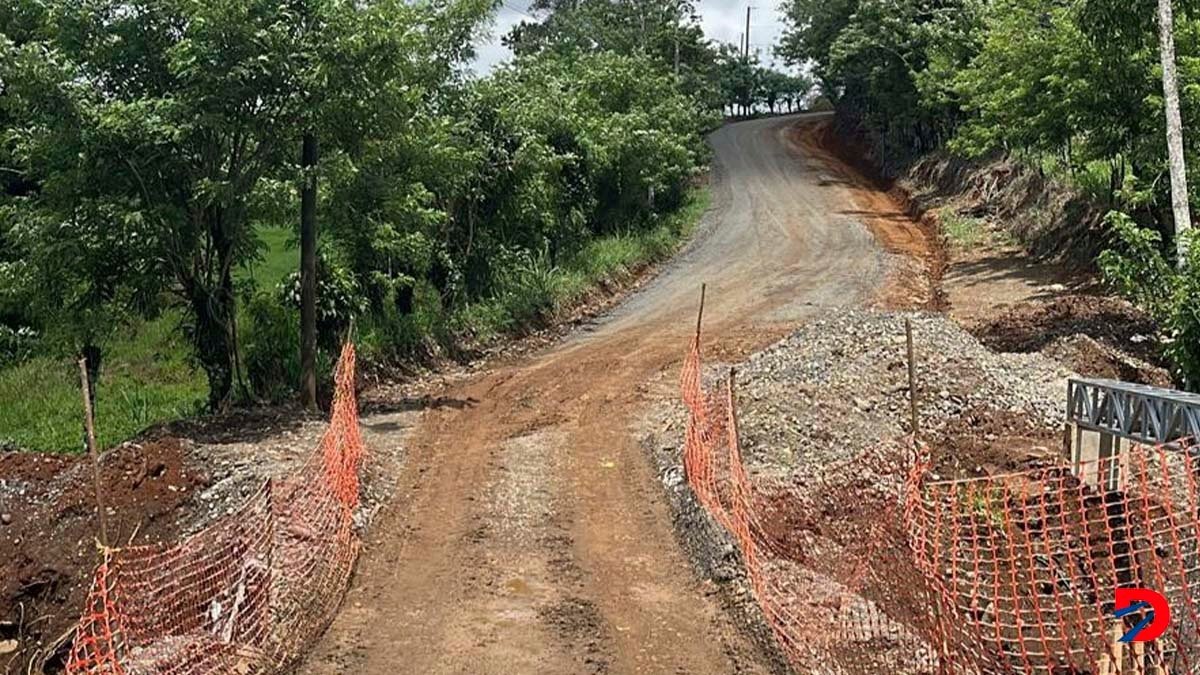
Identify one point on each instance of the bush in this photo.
(271, 347)
(271, 350)
(16, 344)
(339, 300)
(1139, 271)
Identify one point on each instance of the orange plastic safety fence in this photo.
(245, 594)
(811, 572)
(1025, 566)
(877, 568)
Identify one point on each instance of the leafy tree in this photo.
(1138, 269)
(184, 119)
(667, 33)
(882, 62)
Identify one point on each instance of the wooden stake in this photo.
(915, 421)
(90, 426)
(700, 314)
(1118, 647)
(1139, 658)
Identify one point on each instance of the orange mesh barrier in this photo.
(876, 568)
(248, 592)
(1025, 566)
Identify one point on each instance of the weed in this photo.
(962, 232)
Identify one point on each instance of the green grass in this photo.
(145, 378)
(962, 232)
(148, 378)
(546, 291)
(280, 258)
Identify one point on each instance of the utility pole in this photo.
(746, 53)
(308, 273)
(1179, 187)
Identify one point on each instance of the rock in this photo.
(6, 518)
(8, 646)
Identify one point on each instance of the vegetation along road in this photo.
(529, 534)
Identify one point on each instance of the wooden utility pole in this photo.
(1179, 187)
(746, 52)
(308, 273)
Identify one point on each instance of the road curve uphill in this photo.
(529, 533)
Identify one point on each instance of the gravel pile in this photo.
(839, 386)
(834, 390)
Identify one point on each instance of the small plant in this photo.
(1138, 270)
(339, 299)
(962, 231)
(16, 344)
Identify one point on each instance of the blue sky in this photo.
(722, 20)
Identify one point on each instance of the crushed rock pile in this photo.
(839, 386)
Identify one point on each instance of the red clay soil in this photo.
(48, 530)
(1113, 328)
(1111, 321)
(985, 442)
(896, 222)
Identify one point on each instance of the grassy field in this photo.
(280, 258)
(147, 376)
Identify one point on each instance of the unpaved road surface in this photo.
(529, 533)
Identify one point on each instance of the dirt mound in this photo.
(1094, 335)
(984, 441)
(1090, 358)
(48, 521)
(1031, 326)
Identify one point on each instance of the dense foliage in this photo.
(1073, 88)
(1139, 270)
(146, 146)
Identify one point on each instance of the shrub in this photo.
(271, 347)
(16, 344)
(1139, 271)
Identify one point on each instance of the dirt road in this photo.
(529, 533)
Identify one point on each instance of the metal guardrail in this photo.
(1145, 414)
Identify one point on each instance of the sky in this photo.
(722, 20)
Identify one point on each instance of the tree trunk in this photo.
(213, 310)
(1179, 187)
(308, 274)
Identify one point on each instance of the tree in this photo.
(79, 262)
(191, 113)
(1179, 187)
(668, 33)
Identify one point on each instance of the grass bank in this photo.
(148, 377)
(542, 292)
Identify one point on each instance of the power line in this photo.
(518, 10)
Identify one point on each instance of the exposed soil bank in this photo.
(1025, 281)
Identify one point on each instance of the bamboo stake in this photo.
(914, 422)
(1118, 647)
(700, 314)
(1104, 665)
(90, 425)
